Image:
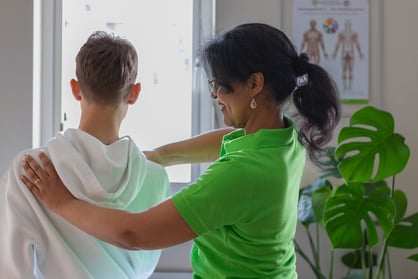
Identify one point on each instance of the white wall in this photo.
(398, 84)
(16, 19)
(400, 97)
(230, 13)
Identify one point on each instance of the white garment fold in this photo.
(35, 240)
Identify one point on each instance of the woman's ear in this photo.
(256, 83)
(75, 89)
(134, 94)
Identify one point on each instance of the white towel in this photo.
(34, 240)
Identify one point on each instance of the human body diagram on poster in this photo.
(346, 45)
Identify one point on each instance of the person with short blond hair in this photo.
(99, 166)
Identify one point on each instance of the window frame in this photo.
(47, 94)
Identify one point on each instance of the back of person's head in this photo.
(106, 68)
(256, 47)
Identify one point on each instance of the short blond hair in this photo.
(106, 68)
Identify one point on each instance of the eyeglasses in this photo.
(213, 86)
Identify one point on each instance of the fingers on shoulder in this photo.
(46, 162)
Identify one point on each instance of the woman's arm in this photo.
(159, 227)
(198, 149)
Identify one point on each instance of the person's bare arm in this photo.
(159, 227)
(198, 149)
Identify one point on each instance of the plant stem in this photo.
(370, 262)
(393, 186)
(382, 255)
(363, 262)
(318, 246)
(364, 249)
(381, 261)
(318, 273)
(388, 265)
(314, 251)
(331, 264)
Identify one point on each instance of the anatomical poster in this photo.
(335, 35)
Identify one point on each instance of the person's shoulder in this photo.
(154, 167)
(9, 178)
(30, 151)
(156, 178)
(156, 171)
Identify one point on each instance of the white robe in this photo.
(36, 243)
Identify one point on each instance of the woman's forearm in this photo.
(102, 223)
(198, 149)
(159, 227)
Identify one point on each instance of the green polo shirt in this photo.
(244, 207)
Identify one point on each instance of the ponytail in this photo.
(318, 105)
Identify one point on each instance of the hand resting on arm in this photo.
(159, 227)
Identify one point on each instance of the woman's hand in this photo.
(44, 183)
(154, 156)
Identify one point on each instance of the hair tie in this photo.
(302, 80)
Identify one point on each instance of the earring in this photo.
(253, 104)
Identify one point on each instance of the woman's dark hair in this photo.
(257, 47)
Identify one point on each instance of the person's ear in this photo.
(256, 83)
(75, 89)
(134, 94)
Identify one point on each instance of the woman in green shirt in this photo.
(242, 211)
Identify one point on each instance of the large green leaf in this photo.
(306, 213)
(352, 259)
(319, 199)
(371, 136)
(404, 235)
(351, 206)
(413, 257)
(329, 164)
(401, 203)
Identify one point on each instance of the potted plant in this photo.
(367, 159)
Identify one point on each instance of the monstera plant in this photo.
(367, 159)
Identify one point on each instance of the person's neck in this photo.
(267, 115)
(101, 122)
(265, 121)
